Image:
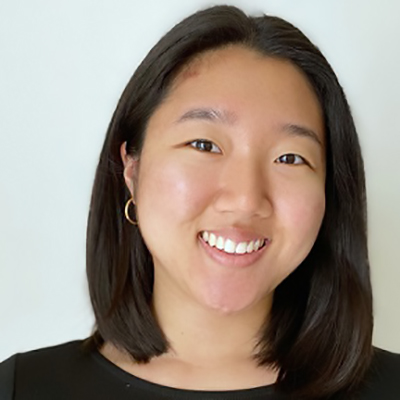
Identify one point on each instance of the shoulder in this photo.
(62, 351)
(31, 369)
(382, 380)
(386, 366)
(46, 358)
(386, 359)
(7, 372)
(67, 354)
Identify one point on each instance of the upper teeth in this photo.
(229, 246)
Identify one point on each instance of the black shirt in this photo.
(68, 372)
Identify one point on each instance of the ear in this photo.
(130, 170)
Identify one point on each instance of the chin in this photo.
(226, 304)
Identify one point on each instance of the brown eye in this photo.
(291, 159)
(204, 145)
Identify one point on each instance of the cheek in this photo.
(300, 213)
(307, 210)
(177, 192)
(302, 209)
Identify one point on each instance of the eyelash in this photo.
(213, 144)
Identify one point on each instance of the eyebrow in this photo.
(226, 117)
(302, 131)
(209, 114)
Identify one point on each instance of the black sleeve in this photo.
(7, 371)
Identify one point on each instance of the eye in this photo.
(291, 159)
(204, 145)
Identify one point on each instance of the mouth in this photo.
(233, 259)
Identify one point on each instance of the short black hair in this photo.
(319, 332)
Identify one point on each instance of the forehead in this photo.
(238, 61)
(249, 85)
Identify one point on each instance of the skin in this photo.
(211, 313)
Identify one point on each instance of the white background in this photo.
(63, 66)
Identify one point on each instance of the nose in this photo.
(244, 190)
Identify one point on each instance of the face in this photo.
(237, 150)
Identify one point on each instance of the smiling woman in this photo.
(226, 249)
(242, 191)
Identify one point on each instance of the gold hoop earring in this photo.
(128, 203)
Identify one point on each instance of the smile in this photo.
(229, 246)
(233, 259)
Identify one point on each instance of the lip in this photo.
(233, 260)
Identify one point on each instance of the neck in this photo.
(202, 336)
(211, 349)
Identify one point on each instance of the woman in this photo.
(226, 249)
